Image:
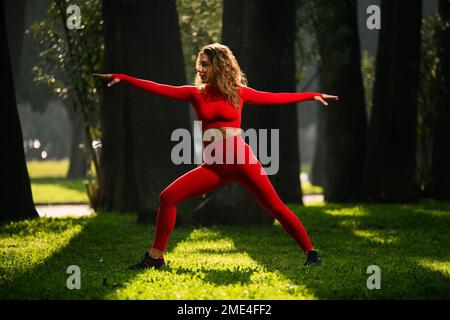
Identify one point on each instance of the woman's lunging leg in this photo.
(261, 188)
(193, 183)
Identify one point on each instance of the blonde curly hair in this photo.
(227, 75)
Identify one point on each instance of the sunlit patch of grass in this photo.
(410, 244)
(308, 188)
(49, 185)
(48, 168)
(58, 191)
(377, 236)
(354, 211)
(442, 266)
(26, 244)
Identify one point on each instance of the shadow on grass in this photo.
(103, 263)
(408, 243)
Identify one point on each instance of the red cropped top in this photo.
(210, 105)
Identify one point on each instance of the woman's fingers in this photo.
(107, 76)
(327, 96)
(113, 82)
(103, 75)
(319, 98)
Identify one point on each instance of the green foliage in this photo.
(200, 24)
(68, 57)
(67, 60)
(368, 74)
(430, 89)
(410, 243)
(306, 50)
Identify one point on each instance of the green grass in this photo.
(410, 243)
(48, 168)
(308, 188)
(49, 185)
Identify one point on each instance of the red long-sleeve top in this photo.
(210, 105)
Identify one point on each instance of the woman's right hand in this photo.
(107, 76)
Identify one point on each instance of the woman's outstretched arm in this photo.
(253, 96)
(174, 92)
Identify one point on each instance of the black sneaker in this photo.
(148, 262)
(313, 258)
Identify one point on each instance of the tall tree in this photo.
(440, 176)
(389, 172)
(142, 39)
(77, 159)
(15, 20)
(16, 198)
(345, 123)
(265, 52)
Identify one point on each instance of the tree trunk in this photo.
(389, 172)
(77, 160)
(318, 167)
(268, 27)
(265, 51)
(440, 172)
(16, 198)
(345, 121)
(137, 125)
(118, 190)
(15, 20)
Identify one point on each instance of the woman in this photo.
(218, 96)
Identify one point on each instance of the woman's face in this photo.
(204, 69)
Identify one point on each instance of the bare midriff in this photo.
(222, 133)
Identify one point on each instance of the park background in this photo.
(377, 160)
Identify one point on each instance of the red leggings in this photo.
(208, 177)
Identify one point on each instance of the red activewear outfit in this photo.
(214, 111)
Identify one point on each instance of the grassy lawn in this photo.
(49, 185)
(308, 188)
(410, 243)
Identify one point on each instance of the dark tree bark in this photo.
(15, 20)
(142, 40)
(389, 172)
(261, 35)
(318, 167)
(16, 198)
(345, 122)
(440, 179)
(77, 160)
(118, 190)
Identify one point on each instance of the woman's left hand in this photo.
(325, 96)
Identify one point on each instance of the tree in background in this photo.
(261, 34)
(16, 199)
(440, 174)
(429, 93)
(142, 39)
(200, 24)
(389, 171)
(345, 123)
(15, 20)
(67, 60)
